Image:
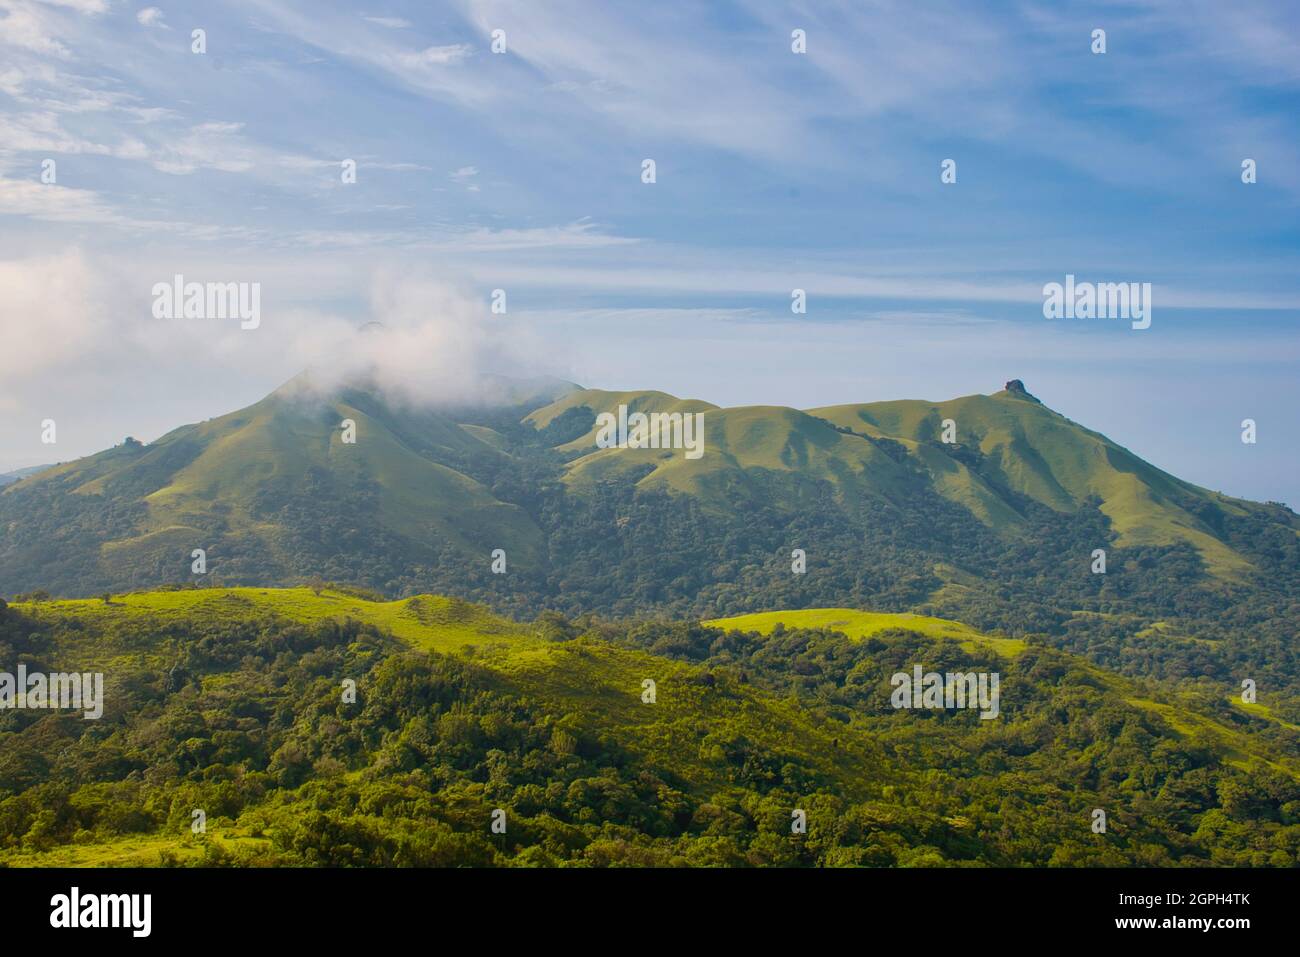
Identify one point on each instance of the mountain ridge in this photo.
(889, 513)
(1138, 498)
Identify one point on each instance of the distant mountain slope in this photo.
(10, 477)
(1008, 448)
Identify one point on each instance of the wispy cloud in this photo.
(392, 23)
(26, 26)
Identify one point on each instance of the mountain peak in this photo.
(1016, 389)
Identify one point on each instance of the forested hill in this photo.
(233, 703)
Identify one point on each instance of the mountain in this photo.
(275, 481)
(1008, 448)
(988, 508)
(1017, 445)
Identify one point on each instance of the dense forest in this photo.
(237, 711)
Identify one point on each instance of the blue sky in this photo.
(775, 171)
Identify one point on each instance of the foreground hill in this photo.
(230, 701)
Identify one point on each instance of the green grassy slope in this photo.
(1008, 445)
(864, 624)
(1031, 450)
(600, 400)
(600, 679)
(743, 442)
(229, 477)
(739, 443)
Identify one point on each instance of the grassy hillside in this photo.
(744, 443)
(1020, 445)
(567, 676)
(229, 700)
(864, 624)
(1009, 449)
(601, 400)
(259, 488)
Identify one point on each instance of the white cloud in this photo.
(427, 71)
(61, 305)
(467, 241)
(437, 341)
(434, 56)
(11, 82)
(26, 27)
(150, 16)
(392, 23)
(396, 167)
(579, 235)
(54, 203)
(77, 314)
(43, 132)
(214, 145)
(81, 6)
